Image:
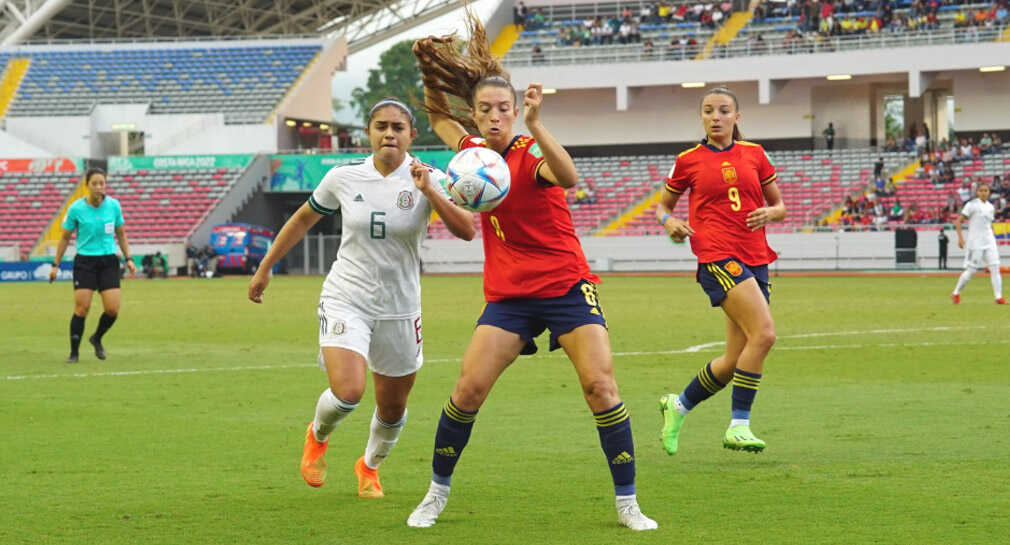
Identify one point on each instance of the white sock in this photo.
(997, 281)
(965, 277)
(680, 406)
(739, 422)
(330, 410)
(622, 500)
(381, 439)
(440, 490)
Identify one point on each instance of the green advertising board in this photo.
(302, 173)
(177, 162)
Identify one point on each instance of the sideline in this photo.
(705, 347)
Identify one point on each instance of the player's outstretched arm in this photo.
(774, 212)
(458, 221)
(292, 232)
(677, 228)
(559, 169)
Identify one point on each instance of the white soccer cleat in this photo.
(629, 514)
(427, 512)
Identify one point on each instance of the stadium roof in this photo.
(360, 21)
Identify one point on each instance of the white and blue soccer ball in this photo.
(478, 179)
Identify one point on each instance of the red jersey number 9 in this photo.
(734, 197)
(497, 228)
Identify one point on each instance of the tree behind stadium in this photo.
(397, 76)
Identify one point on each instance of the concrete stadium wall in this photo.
(797, 251)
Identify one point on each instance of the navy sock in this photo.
(745, 388)
(76, 331)
(614, 427)
(702, 387)
(453, 433)
(104, 323)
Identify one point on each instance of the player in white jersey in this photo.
(981, 250)
(370, 306)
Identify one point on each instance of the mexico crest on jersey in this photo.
(405, 200)
(732, 267)
(728, 173)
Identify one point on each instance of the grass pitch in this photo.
(883, 405)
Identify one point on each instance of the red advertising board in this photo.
(52, 164)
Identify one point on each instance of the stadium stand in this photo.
(28, 203)
(167, 205)
(244, 82)
(902, 24)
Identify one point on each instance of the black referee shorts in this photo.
(96, 272)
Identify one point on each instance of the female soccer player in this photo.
(731, 181)
(982, 250)
(98, 220)
(370, 306)
(535, 274)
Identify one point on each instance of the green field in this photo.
(883, 405)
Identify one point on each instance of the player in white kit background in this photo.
(980, 249)
(370, 306)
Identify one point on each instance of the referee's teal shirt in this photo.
(96, 226)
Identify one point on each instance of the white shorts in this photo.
(981, 258)
(392, 348)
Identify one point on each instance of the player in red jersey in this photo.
(535, 274)
(733, 196)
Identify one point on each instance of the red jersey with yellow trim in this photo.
(530, 247)
(725, 185)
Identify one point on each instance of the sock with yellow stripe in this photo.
(702, 387)
(453, 433)
(614, 427)
(745, 388)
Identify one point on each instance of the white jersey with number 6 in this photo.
(980, 215)
(384, 220)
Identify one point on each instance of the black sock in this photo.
(76, 330)
(104, 323)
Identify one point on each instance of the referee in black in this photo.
(98, 220)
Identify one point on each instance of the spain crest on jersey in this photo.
(728, 173)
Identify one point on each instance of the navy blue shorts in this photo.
(530, 317)
(718, 277)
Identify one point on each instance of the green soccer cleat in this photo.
(672, 421)
(741, 438)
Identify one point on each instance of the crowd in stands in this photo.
(626, 27)
(853, 17)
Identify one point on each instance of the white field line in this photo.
(705, 347)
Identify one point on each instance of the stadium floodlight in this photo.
(324, 127)
(549, 91)
(839, 77)
(692, 84)
(992, 69)
(290, 123)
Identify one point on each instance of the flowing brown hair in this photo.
(736, 106)
(445, 68)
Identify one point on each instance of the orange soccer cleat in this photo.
(1001, 301)
(956, 298)
(368, 480)
(313, 461)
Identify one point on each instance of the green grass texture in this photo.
(884, 407)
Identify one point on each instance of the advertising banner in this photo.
(177, 162)
(302, 173)
(34, 166)
(33, 271)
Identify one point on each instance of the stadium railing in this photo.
(832, 44)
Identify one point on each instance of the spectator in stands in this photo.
(897, 211)
(985, 143)
(829, 136)
(890, 188)
(537, 55)
(518, 15)
(208, 261)
(648, 50)
(997, 144)
(581, 195)
(891, 146)
(759, 47)
(879, 213)
(624, 33)
(663, 10)
(878, 167)
(98, 221)
(953, 203)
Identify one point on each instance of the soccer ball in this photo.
(478, 180)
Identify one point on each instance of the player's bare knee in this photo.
(601, 392)
(469, 396)
(112, 312)
(350, 393)
(81, 310)
(391, 412)
(763, 338)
